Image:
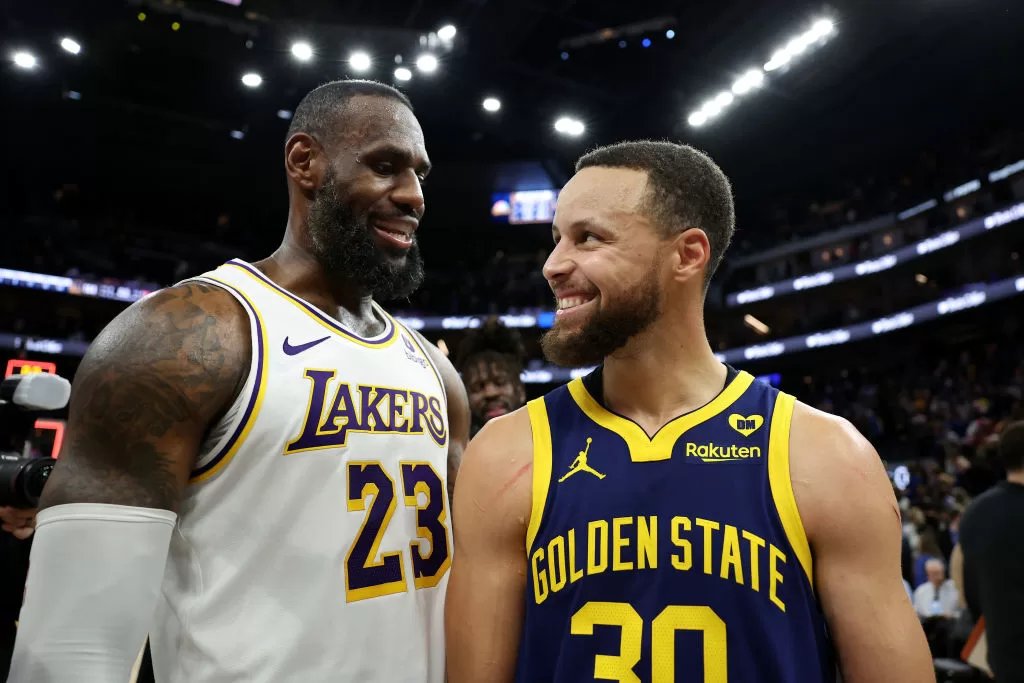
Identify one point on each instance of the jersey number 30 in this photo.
(663, 640)
(366, 575)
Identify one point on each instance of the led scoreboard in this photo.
(21, 366)
(48, 434)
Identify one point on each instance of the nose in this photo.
(491, 389)
(558, 265)
(408, 194)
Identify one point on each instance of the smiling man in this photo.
(257, 456)
(667, 518)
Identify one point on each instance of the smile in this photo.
(569, 304)
(393, 234)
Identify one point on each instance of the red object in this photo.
(58, 438)
(17, 366)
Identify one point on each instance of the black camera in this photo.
(22, 399)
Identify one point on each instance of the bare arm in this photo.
(853, 526)
(485, 606)
(144, 395)
(956, 572)
(458, 411)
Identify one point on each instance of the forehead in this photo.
(372, 120)
(600, 191)
(492, 369)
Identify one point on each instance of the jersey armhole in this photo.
(541, 466)
(781, 484)
(241, 415)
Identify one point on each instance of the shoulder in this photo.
(449, 375)
(836, 473)
(977, 508)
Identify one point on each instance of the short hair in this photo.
(1011, 447)
(933, 561)
(685, 189)
(316, 112)
(491, 343)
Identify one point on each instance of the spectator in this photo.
(993, 560)
(928, 550)
(938, 596)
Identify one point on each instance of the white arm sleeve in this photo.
(94, 577)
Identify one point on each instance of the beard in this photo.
(341, 242)
(608, 328)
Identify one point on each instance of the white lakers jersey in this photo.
(313, 541)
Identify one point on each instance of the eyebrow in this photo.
(388, 149)
(584, 223)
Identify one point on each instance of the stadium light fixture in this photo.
(569, 126)
(492, 104)
(359, 61)
(70, 45)
(670, 34)
(24, 60)
(252, 80)
(403, 74)
(427, 63)
(697, 119)
(302, 51)
(446, 32)
(751, 79)
(284, 114)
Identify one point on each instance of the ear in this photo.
(303, 161)
(691, 254)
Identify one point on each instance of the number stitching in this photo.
(357, 502)
(432, 528)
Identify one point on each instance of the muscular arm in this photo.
(485, 605)
(853, 526)
(458, 410)
(144, 395)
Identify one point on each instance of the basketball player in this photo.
(257, 455)
(716, 529)
(490, 360)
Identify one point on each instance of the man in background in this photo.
(993, 560)
(490, 360)
(938, 596)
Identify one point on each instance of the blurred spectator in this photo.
(490, 360)
(938, 596)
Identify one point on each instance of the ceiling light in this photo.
(670, 34)
(748, 81)
(284, 114)
(175, 26)
(402, 74)
(492, 104)
(359, 61)
(646, 42)
(24, 60)
(426, 63)
(302, 51)
(70, 45)
(697, 118)
(724, 99)
(779, 59)
(569, 126)
(237, 134)
(446, 32)
(822, 27)
(252, 80)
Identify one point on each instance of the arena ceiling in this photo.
(158, 105)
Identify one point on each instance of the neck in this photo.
(294, 268)
(664, 372)
(1015, 477)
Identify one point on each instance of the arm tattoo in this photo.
(144, 395)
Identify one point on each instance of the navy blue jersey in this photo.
(674, 559)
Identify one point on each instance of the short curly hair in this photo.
(492, 344)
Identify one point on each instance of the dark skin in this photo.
(492, 387)
(165, 370)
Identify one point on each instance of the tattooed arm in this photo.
(458, 410)
(150, 385)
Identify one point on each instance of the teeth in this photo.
(401, 236)
(568, 302)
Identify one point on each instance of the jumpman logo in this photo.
(580, 465)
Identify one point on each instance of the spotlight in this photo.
(24, 60)
(426, 63)
(646, 42)
(697, 118)
(822, 27)
(492, 104)
(446, 32)
(237, 134)
(302, 51)
(569, 126)
(748, 81)
(780, 58)
(359, 61)
(565, 56)
(74, 95)
(70, 45)
(252, 80)
(402, 74)
(284, 114)
(670, 34)
(724, 99)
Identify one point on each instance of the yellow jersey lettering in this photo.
(756, 543)
(686, 561)
(540, 577)
(556, 563)
(597, 551)
(618, 543)
(731, 558)
(708, 527)
(574, 574)
(775, 577)
(646, 542)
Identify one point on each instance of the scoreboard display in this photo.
(48, 434)
(22, 366)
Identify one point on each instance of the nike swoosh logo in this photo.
(295, 350)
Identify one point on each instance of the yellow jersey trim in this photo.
(541, 466)
(643, 448)
(385, 339)
(781, 483)
(220, 461)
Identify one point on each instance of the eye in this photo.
(384, 167)
(590, 237)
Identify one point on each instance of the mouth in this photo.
(495, 411)
(572, 303)
(397, 232)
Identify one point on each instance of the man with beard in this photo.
(668, 518)
(490, 360)
(255, 467)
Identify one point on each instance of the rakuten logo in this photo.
(759, 294)
(893, 323)
(1014, 213)
(764, 351)
(811, 281)
(959, 303)
(828, 338)
(460, 323)
(939, 242)
(876, 266)
(535, 377)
